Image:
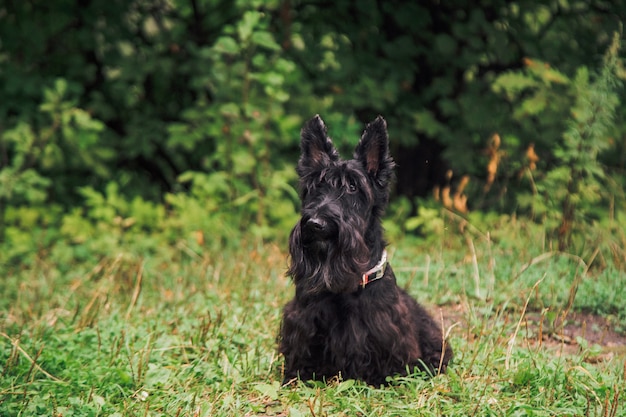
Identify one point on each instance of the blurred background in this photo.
(144, 123)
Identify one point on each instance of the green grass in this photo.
(191, 332)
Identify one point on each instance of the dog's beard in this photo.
(333, 263)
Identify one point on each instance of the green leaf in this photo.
(226, 45)
(344, 385)
(247, 24)
(243, 162)
(426, 122)
(512, 83)
(265, 40)
(532, 106)
(445, 44)
(230, 110)
(157, 376)
(268, 390)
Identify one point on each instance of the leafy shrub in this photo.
(566, 196)
(169, 123)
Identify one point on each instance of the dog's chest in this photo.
(353, 320)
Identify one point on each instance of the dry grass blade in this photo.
(548, 255)
(136, 291)
(511, 343)
(16, 345)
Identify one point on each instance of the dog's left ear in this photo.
(373, 151)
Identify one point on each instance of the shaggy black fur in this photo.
(334, 325)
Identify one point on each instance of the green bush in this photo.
(134, 123)
(568, 194)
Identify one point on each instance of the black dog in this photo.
(348, 317)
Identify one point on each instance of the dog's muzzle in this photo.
(316, 229)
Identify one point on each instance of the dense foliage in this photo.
(122, 118)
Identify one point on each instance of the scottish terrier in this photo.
(349, 318)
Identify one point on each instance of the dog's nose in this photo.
(316, 224)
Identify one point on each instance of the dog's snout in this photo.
(316, 224)
(316, 228)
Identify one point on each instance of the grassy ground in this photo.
(191, 332)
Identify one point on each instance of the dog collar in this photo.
(376, 272)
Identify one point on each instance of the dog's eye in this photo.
(351, 187)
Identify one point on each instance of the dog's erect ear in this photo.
(317, 148)
(373, 151)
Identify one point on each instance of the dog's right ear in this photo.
(317, 149)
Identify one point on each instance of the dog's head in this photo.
(342, 202)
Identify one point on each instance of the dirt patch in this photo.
(580, 333)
